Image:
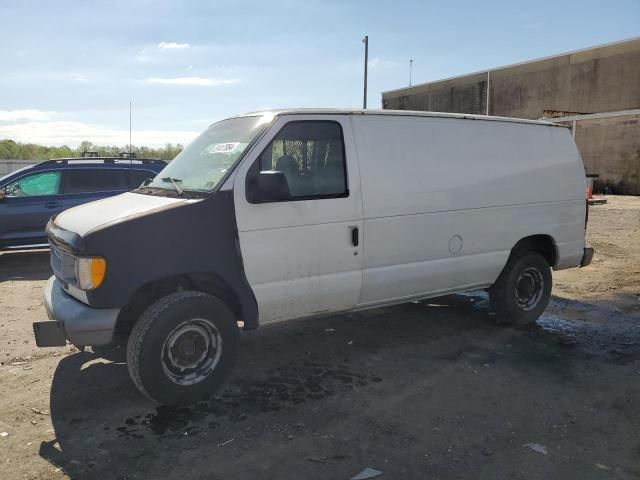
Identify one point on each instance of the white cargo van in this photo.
(297, 213)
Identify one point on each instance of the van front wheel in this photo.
(523, 289)
(182, 348)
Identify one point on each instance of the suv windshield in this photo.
(203, 163)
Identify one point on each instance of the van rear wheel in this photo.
(183, 348)
(523, 290)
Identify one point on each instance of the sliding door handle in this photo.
(355, 236)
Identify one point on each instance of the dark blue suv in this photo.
(32, 195)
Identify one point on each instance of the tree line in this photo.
(11, 150)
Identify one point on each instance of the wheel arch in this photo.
(150, 292)
(542, 244)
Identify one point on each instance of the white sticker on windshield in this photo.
(223, 147)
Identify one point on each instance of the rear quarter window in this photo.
(88, 180)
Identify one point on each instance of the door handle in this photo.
(355, 240)
(52, 205)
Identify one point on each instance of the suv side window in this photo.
(86, 180)
(311, 155)
(35, 185)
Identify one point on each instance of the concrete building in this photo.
(596, 91)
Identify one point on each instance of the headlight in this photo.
(90, 272)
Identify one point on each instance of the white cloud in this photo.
(377, 62)
(173, 45)
(81, 79)
(18, 115)
(192, 81)
(73, 133)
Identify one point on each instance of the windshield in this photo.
(203, 163)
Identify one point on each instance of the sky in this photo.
(70, 68)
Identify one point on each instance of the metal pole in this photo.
(410, 69)
(366, 61)
(488, 90)
(130, 162)
(129, 129)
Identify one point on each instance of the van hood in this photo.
(90, 216)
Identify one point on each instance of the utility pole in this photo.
(365, 40)
(410, 69)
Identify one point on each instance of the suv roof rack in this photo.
(119, 160)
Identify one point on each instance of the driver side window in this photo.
(311, 156)
(35, 185)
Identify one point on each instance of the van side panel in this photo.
(445, 200)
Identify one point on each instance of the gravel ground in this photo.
(426, 390)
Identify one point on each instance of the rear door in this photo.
(29, 203)
(82, 185)
(303, 256)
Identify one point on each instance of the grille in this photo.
(63, 265)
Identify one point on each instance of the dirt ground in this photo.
(430, 390)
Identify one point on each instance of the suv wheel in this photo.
(522, 291)
(183, 348)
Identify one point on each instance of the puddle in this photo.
(595, 331)
(282, 388)
(556, 324)
(479, 300)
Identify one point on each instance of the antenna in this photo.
(130, 161)
(410, 70)
(129, 128)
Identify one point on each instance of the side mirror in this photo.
(270, 186)
(3, 193)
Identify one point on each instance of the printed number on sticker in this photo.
(223, 147)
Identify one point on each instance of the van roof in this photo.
(405, 113)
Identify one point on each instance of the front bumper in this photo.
(73, 320)
(587, 256)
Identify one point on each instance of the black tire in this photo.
(183, 348)
(523, 289)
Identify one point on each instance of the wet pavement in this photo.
(433, 389)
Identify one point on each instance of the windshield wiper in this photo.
(174, 182)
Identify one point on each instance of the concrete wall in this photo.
(601, 79)
(610, 147)
(8, 166)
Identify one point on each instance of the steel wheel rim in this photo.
(191, 351)
(529, 288)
